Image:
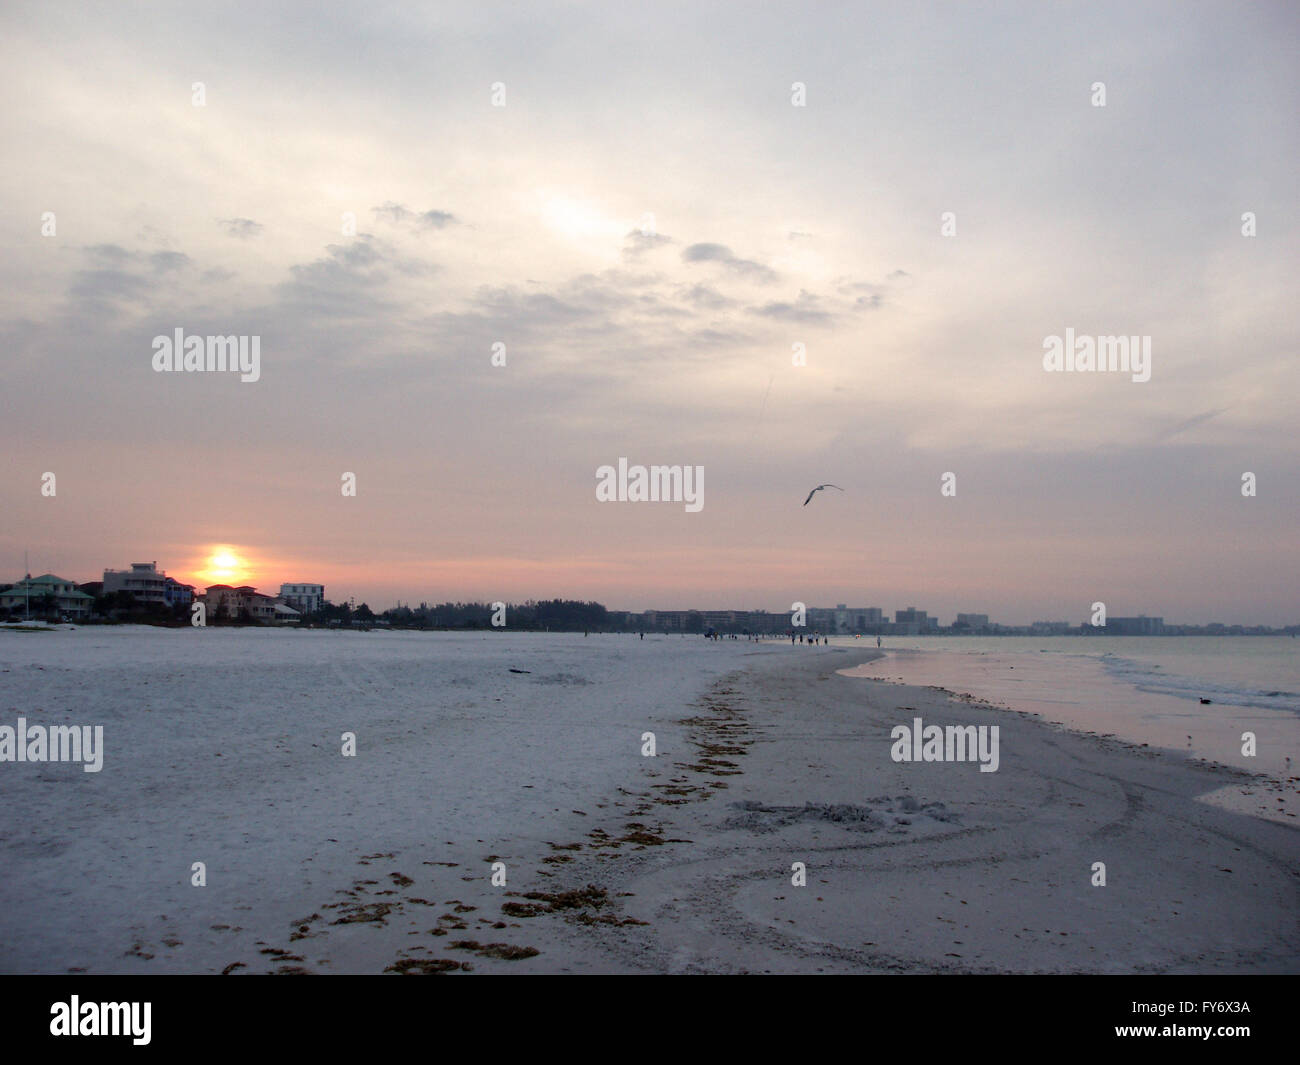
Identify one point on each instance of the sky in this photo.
(656, 209)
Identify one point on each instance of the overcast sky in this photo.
(649, 225)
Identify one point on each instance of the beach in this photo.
(527, 758)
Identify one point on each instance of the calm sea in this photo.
(1143, 689)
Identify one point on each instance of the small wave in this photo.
(1149, 677)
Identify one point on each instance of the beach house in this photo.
(46, 594)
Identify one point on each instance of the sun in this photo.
(224, 566)
(577, 219)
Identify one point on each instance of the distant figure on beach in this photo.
(877, 641)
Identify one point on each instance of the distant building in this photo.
(666, 620)
(146, 583)
(230, 604)
(726, 620)
(177, 594)
(69, 601)
(820, 619)
(1049, 628)
(972, 622)
(226, 602)
(263, 607)
(143, 581)
(304, 598)
(763, 623)
(912, 622)
(856, 619)
(1139, 626)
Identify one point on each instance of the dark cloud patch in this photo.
(401, 215)
(164, 262)
(720, 338)
(804, 310)
(524, 309)
(865, 295)
(345, 282)
(637, 243)
(242, 228)
(648, 303)
(114, 278)
(724, 256)
(704, 297)
(108, 254)
(702, 253)
(437, 219)
(609, 289)
(99, 293)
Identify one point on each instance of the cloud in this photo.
(707, 298)
(1188, 423)
(343, 283)
(166, 261)
(400, 215)
(109, 254)
(804, 311)
(867, 296)
(243, 228)
(720, 253)
(637, 243)
(99, 293)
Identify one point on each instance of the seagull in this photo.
(818, 489)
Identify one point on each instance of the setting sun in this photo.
(224, 566)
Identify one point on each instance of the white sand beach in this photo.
(223, 747)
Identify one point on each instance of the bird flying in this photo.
(818, 489)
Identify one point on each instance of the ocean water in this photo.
(1141, 689)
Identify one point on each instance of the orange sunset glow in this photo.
(224, 565)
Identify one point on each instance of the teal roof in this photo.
(38, 586)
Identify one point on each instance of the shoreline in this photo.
(1079, 695)
(935, 867)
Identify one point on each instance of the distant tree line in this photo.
(564, 615)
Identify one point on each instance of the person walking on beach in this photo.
(877, 641)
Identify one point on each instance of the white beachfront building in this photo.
(304, 598)
(146, 583)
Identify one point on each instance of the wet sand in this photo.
(936, 867)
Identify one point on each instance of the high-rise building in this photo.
(912, 622)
